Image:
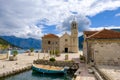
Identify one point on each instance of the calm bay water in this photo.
(31, 75)
(19, 51)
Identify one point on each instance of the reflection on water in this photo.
(32, 75)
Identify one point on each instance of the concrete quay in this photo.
(85, 75)
(109, 72)
(83, 72)
(25, 61)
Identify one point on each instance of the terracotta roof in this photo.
(103, 34)
(88, 33)
(50, 36)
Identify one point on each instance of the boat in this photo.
(48, 69)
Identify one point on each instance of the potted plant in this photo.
(66, 57)
(82, 59)
(14, 55)
(57, 53)
(31, 52)
(50, 52)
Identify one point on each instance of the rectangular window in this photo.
(48, 42)
(66, 40)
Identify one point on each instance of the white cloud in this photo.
(117, 15)
(105, 27)
(100, 28)
(83, 23)
(19, 17)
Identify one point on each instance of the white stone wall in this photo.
(106, 51)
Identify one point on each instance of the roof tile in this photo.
(103, 34)
(50, 36)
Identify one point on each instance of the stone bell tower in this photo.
(74, 36)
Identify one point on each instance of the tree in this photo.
(14, 57)
(15, 52)
(30, 53)
(31, 49)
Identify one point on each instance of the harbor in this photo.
(24, 63)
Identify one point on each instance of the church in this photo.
(64, 44)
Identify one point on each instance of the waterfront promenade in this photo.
(24, 61)
(8, 67)
(84, 74)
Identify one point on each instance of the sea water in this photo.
(32, 75)
(20, 51)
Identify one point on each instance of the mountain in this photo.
(116, 30)
(4, 43)
(80, 39)
(23, 43)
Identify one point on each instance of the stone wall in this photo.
(106, 51)
(65, 43)
(52, 45)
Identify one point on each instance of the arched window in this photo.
(48, 42)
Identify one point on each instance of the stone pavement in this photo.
(112, 72)
(3, 56)
(84, 75)
(24, 60)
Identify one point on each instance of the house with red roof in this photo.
(102, 47)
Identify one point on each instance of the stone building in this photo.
(50, 42)
(102, 46)
(65, 44)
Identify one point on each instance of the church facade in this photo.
(65, 44)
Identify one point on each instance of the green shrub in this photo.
(50, 52)
(82, 57)
(15, 52)
(52, 59)
(57, 53)
(31, 49)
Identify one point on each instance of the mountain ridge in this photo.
(24, 43)
(5, 44)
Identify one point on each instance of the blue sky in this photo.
(34, 18)
(106, 19)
